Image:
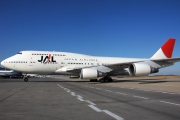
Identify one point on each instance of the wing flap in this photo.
(124, 64)
(168, 60)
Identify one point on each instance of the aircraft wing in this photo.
(102, 68)
(124, 64)
(110, 67)
(167, 60)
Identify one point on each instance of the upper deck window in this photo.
(19, 53)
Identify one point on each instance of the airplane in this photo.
(83, 66)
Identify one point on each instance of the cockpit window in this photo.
(19, 53)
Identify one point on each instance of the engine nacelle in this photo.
(140, 69)
(89, 73)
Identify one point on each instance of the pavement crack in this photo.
(15, 93)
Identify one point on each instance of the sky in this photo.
(117, 28)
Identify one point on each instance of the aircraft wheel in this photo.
(101, 80)
(105, 79)
(93, 80)
(26, 79)
(110, 79)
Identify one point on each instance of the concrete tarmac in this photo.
(64, 99)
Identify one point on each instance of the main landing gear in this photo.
(93, 80)
(105, 79)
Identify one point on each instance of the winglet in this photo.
(166, 50)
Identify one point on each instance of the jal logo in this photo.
(47, 59)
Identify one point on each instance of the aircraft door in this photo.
(30, 63)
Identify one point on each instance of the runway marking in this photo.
(154, 91)
(80, 98)
(108, 90)
(140, 97)
(113, 115)
(95, 108)
(170, 103)
(107, 112)
(172, 93)
(92, 105)
(73, 94)
(90, 102)
(131, 88)
(147, 90)
(60, 86)
(165, 92)
(121, 93)
(98, 88)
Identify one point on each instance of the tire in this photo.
(25, 79)
(93, 80)
(106, 79)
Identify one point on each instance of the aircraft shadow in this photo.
(147, 81)
(57, 81)
(141, 81)
(40, 80)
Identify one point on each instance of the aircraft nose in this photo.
(2, 63)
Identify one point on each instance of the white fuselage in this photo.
(40, 62)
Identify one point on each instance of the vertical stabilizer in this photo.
(166, 50)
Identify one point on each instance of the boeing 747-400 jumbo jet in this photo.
(89, 67)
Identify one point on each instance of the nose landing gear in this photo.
(25, 79)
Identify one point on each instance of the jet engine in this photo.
(140, 69)
(90, 73)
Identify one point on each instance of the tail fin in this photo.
(166, 50)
